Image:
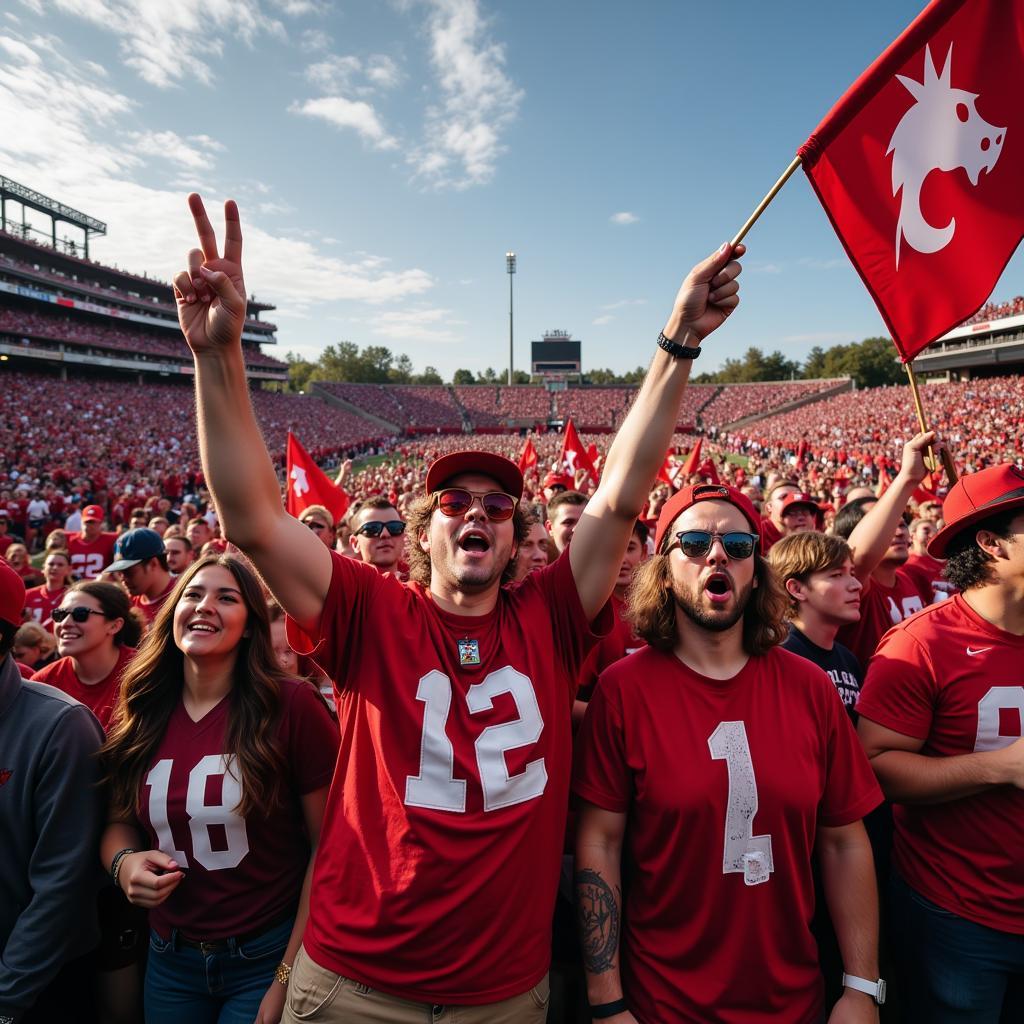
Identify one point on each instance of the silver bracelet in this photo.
(115, 866)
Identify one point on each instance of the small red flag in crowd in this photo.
(309, 485)
(574, 455)
(693, 459)
(528, 456)
(669, 471)
(919, 166)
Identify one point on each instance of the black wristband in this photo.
(675, 350)
(609, 1009)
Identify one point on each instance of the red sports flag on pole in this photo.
(309, 485)
(528, 456)
(574, 455)
(693, 459)
(919, 166)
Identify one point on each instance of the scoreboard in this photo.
(557, 354)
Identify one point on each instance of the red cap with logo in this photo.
(92, 514)
(12, 594)
(682, 500)
(554, 479)
(799, 499)
(497, 467)
(975, 497)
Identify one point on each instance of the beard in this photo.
(693, 606)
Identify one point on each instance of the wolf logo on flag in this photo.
(942, 131)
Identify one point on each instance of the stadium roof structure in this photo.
(985, 348)
(58, 212)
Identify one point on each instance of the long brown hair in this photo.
(651, 607)
(152, 687)
(417, 519)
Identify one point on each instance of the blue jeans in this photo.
(951, 970)
(184, 984)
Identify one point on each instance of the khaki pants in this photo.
(317, 994)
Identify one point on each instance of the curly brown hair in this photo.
(651, 607)
(417, 518)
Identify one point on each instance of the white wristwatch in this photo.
(875, 989)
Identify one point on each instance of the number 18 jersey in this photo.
(439, 858)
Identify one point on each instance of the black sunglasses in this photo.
(79, 613)
(697, 543)
(374, 528)
(457, 501)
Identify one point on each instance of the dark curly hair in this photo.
(967, 565)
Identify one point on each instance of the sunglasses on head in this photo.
(697, 543)
(395, 528)
(457, 501)
(79, 613)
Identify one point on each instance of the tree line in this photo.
(871, 363)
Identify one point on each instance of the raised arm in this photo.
(211, 310)
(707, 296)
(872, 536)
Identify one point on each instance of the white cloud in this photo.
(168, 43)
(343, 113)
(383, 72)
(313, 40)
(600, 321)
(18, 50)
(625, 302)
(171, 146)
(422, 324)
(624, 217)
(478, 99)
(764, 268)
(301, 8)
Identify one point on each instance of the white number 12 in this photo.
(744, 852)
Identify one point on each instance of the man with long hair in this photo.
(732, 760)
(436, 878)
(940, 717)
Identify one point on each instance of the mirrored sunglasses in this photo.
(79, 613)
(697, 543)
(395, 528)
(457, 501)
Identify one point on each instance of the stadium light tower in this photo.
(510, 263)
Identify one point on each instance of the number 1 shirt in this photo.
(725, 783)
(436, 873)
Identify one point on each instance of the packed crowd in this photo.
(998, 310)
(738, 401)
(779, 688)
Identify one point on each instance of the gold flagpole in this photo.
(947, 458)
(763, 205)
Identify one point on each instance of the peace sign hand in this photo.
(211, 293)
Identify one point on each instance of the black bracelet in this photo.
(609, 1009)
(675, 350)
(115, 864)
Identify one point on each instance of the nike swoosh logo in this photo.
(981, 650)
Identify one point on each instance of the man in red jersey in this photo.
(378, 533)
(925, 570)
(799, 514)
(6, 540)
(141, 560)
(880, 542)
(40, 601)
(941, 714)
(450, 796)
(714, 731)
(92, 548)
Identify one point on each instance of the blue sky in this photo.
(385, 155)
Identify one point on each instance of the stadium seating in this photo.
(737, 401)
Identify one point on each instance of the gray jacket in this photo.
(50, 820)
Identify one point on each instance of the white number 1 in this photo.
(744, 852)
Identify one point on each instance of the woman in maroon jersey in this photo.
(97, 632)
(217, 768)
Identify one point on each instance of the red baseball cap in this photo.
(92, 513)
(503, 470)
(682, 500)
(554, 479)
(799, 499)
(975, 497)
(12, 594)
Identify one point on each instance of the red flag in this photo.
(693, 459)
(574, 455)
(309, 485)
(668, 471)
(528, 456)
(945, 98)
(885, 479)
(709, 472)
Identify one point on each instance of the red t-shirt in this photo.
(150, 609)
(243, 873)
(770, 534)
(725, 783)
(881, 608)
(90, 558)
(619, 642)
(435, 879)
(40, 602)
(952, 679)
(926, 572)
(99, 698)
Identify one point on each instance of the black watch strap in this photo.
(603, 1010)
(675, 350)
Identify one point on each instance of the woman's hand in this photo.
(272, 1004)
(148, 878)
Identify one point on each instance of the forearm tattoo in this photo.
(597, 910)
